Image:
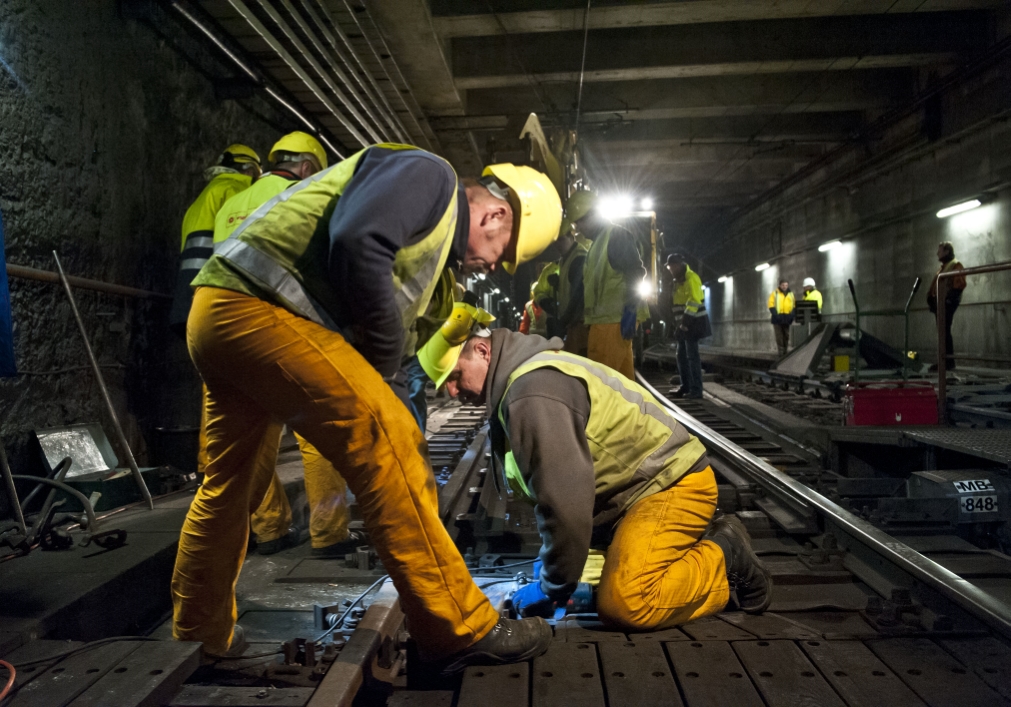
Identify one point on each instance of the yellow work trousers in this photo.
(264, 366)
(576, 339)
(658, 574)
(606, 346)
(326, 492)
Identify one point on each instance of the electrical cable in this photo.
(10, 679)
(582, 65)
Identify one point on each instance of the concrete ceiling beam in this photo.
(812, 127)
(821, 44)
(456, 18)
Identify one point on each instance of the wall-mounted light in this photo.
(826, 247)
(724, 278)
(646, 204)
(480, 276)
(959, 208)
(505, 299)
(762, 266)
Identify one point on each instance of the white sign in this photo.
(973, 486)
(978, 504)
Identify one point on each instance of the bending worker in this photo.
(811, 293)
(692, 321)
(605, 466)
(295, 157)
(304, 315)
(781, 304)
(234, 171)
(573, 247)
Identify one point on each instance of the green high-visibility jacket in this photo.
(280, 252)
(234, 211)
(606, 291)
(816, 296)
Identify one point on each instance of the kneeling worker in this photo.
(604, 464)
(305, 315)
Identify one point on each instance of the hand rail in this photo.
(883, 313)
(942, 344)
(974, 600)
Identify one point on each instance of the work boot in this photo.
(677, 392)
(748, 577)
(510, 641)
(271, 547)
(355, 539)
(236, 647)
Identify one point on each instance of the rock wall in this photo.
(105, 129)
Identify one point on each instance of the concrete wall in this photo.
(881, 199)
(104, 133)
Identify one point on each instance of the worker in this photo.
(611, 307)
(692, 322)
(606, 467)
(811, 293)
(781, 304)
(952, 298)
(235, 170)
(294, 157)
(305, 315)
(533, 315)
(573, 247)
(544, 294)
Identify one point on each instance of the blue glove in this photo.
(628, 317)
(529, 600)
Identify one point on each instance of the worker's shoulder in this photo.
(546, 384)
(411, 164)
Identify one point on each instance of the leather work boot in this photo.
(510, 641)
(236, 647)
(355, 539)
(750, 580)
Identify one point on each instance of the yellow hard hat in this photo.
(577, 206)
(441, 352)
(298, 142)
(537, 210)
(239, 153)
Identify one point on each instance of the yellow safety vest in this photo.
(688, 297)
(239, 207)
(782, 303)
(814, 295)
(604, 288)
(630, 436)
(279, 253)
(581, 248)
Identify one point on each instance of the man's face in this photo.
(784, 286)
(808, 288)
(677, 270)
(467, 380)
(942, 253)
(491, 225)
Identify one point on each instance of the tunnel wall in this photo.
(105, 129)
(881, 199)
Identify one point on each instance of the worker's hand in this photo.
(529, 600)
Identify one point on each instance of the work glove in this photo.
(628, 317)
(529, 600)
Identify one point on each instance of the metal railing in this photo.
(904, 313)
(942, 344)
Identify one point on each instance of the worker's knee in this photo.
(623, 608)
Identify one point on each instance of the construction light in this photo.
(615, 207)
(762, 266)
(959, 208)
(645, 288)
(646, 204)
(724, 278)
(826, 247)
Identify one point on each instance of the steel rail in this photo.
(981, 605)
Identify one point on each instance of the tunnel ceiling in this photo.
(703, 105)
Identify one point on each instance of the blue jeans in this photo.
(690, 367)
(417, 380)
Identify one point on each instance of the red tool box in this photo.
(890, 403)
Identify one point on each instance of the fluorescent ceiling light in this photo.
(724, 278)
(959, 208)
(825, 247)
(646, 204)
(505, 299)
(761, 267)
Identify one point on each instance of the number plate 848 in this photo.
(978, 504)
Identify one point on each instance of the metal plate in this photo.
(807, 597)
(939, 679)
(637, 675)
(834, 625)
(573, 630)
(670, 634)
(712, 629)
(711, 675)
(768, 626)
(71, 676)
(784, 675)
(567, 676)
(215, 696)
(496, 686)
(990, 658)
(858, 675)
(148, 677)
(421, 698)
(265, 625)
(988, 444)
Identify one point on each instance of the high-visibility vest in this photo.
(198, 237)
(280, 252)
(239, 207)
(604, 288)
(782, 302)
(581, 248)
(629, 435)
(688, 297)
(814, 295)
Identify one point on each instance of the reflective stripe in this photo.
(274, 277)
(198, 242)
(192, 263)
(411, 290)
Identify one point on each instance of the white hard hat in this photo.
(808, 282)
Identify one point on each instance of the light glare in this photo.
(645, 288)
(615, 207)
(723, 278)
(959, 208)
(646, 204)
